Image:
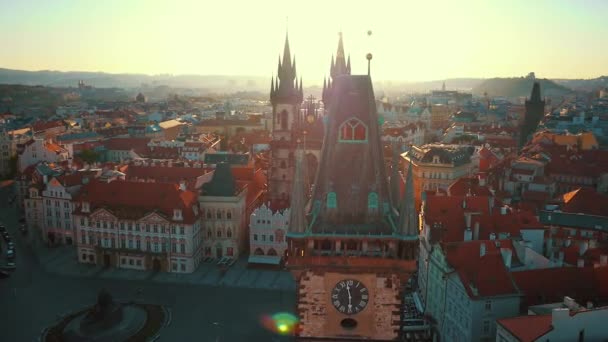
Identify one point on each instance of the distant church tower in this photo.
(339, 67)
(286, 96)
(535, 109)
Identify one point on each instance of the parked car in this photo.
(10, 266)
(6, 236)
(10, 253)
(23, 229)
(4, 274)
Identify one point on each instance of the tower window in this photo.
(283, 120)
(372, 200)
(332, 200)
(353, 130)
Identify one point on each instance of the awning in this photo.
(269, 260)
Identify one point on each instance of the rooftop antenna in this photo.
(369, 56)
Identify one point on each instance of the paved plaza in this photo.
(205, 306)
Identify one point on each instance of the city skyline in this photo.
(410, 41)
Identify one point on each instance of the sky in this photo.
(410, 40)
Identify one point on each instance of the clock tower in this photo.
(286, 96)
(351, 247)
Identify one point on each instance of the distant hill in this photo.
(593, 84)
(518, 87)
(212, 83)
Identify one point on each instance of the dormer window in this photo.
(177, 214)
(85, 207)
(435, 159)
(353, 131)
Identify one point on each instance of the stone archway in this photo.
(258, 251)
(272, 252)
(156, 265)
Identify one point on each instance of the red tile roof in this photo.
(135, 199)
(482, 276)
(548, 285)
(585, 200)
(164, 174)
(126, 144)
(527, 328)
(40, 126)
(465, 185)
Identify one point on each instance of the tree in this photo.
(89, 156)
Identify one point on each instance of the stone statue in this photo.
(105, 314)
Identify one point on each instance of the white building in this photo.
(39, 149)
(567, 322)
(267, 232)
(144, 226)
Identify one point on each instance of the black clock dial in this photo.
(349, 296)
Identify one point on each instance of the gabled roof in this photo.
(163, 174)
(481, 276)
(126, 144)
(586, 201)
(527, 328)
(136, 199)
(547, 285)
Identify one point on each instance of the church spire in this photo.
(297, 212)
(535, 96)
(339, 67)
(408, 220)
(286, 85)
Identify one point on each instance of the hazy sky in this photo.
(411, 40)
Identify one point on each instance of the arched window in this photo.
(332, 200)
(283, 120)
(271, 252)
(229, 233)
(258, 251)
(372, 200)
(229, 215)
(219, 215)
(353, 130)
(219, 232)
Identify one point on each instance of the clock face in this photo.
(349, 296)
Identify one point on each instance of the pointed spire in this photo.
(535, 96)
(324, 93)
(272, 87)
(340, 67)
(332, 67)
(293, 67)
(443, 86)
(279, 67)
(297, 212)
(301, 91)
(408, 220)
(348, 65)
(286, 52)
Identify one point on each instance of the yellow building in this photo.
(436, 166)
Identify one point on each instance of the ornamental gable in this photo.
(153, 218)
(102, 214)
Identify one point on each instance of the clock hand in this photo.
(349, 296)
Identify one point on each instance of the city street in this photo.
(32, 299)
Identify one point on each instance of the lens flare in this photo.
(282, 323)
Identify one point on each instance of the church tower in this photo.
(339, 67)
(286, 96)
(353, 245)
(535, 109)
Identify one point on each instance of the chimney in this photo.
(580, 263)
(582, 248)
(476, 231)
(492, 236)
(482, 249)
(468, 234)
(503, 210)
(507, 255)
(603, 260)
